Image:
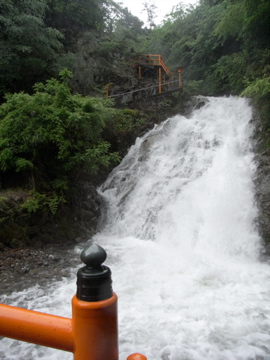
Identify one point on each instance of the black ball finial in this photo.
(93, 256)
(94, 281)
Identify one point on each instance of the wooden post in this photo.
(180, 77)
(139, 72)
(107, 88)
(172, 80)
(159, 80)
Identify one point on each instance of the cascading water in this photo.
(183, 247)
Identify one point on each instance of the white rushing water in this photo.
(182, 244)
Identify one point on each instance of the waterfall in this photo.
(179, 227)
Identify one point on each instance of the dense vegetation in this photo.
(50, 136)
(223, 46)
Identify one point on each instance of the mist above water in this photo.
(180, 232)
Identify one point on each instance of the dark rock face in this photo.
(262, 183)
(263, 194)
(39, 249)
(74, 222)
(22, 268)
(94, 67)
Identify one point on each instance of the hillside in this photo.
(54, 81)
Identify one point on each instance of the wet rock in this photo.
(15, 243)
(65, 273)
(22, 268)
(87, 215)
(262, 184)
(76, 218)
(267, 250)
(32, 230)
(37, 244)
(3, 247)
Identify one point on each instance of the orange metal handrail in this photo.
(167, 83)
(91, 333)
(158, 61)
(37, 328)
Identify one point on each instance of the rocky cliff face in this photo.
(77, 220)
(262, 182)
(74, 222)
(96, 65)
(263, 197)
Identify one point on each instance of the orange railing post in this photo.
(157, 61)
(107, 88)
(91, 333)
(94, 309)
(95, 328)
(159, 80)
(136, 356)
(139, 72)
(180, 77)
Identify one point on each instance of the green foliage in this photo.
(123, 33)
(188, 40)
(75, 16)
(256, 27)
(51, 137)
(220, 44)
(128, 122)
(150, 9)
(258, 89)
(36, 201)
(122, 128)
(228, 73)
(231, 22)
(194, 87)
(29, 50)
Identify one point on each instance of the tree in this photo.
(51, 137)
(150, 8)
(125, 35)
(29, 50)
(257, 28)
(72, 17)
(223, 45)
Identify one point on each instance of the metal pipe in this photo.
(36, 327)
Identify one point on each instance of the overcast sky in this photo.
(163, 7)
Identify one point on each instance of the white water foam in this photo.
(182, 245)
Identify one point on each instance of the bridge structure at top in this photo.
(154, 77)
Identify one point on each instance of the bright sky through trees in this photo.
(164, 7)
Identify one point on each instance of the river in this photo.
(180, 231)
